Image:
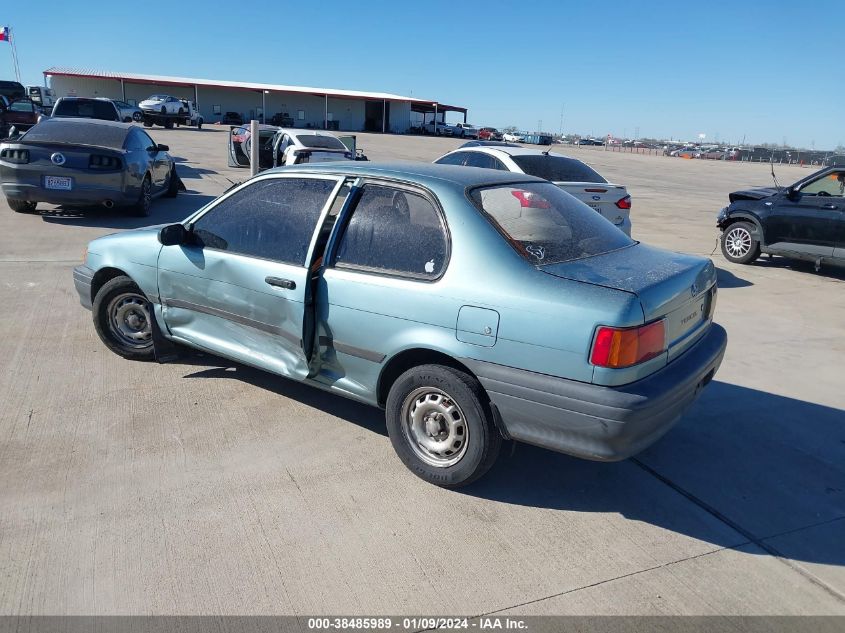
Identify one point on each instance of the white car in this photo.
(513, 137)
(442, 129)
(465, 130)
(162, 104)
(570, 174)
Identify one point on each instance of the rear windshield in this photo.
(321, 142)
(557, 168)
(77, 133)
(547, 225)
(86, 109)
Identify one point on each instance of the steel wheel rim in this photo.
(435, 427)
(738, 242)
(129, 320)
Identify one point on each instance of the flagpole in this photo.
(15, 55)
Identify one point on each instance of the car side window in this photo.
(395, 232)
(832, 184)
(480, 159)
(135, 142)
(457, 158)
(271, 218)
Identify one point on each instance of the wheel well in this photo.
(744, 218)
(403, 361)
(101, 277)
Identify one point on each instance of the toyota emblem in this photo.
(58, 158)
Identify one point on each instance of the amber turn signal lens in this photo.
(624, 347)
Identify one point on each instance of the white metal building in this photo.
(324, 108)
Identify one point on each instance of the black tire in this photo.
(739, 244)
(466, 429)
(122, 316)
(127, 119)
(137, 116)
(199, 124)
(21, 206)
(148, 123)
(145, 200)
(172, 184)
(168, 124)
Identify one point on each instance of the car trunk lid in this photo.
(600, 196)
(676, 287)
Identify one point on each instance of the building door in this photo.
(377, 116)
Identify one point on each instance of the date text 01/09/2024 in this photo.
(414, 623)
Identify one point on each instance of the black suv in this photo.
(803, 221)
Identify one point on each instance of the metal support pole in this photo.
(253, 147)
(264, 106)
(196, 98)
(383, 115)
(326, 118)
(123, 89)
(435, 119)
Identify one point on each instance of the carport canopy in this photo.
(435, 108)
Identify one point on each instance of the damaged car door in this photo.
(239, 284)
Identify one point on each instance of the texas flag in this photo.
(5, 34)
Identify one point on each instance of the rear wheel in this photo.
(123, 319)
(148, 123)
(21, 206)
(441, 426)
(145, 201)
(739, 244)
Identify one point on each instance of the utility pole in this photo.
(560, 132)
(540, 125)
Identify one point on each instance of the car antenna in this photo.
(772, 165)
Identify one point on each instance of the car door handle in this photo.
(829, 206)
(287, 284)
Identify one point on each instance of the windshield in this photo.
(547, 225)
(157, 98)
(321, 142)
(557, 168)
(87, 109)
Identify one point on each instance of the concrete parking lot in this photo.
(203, 487)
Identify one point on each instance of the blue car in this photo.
(472, 305)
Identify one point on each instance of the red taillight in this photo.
(530, 200)
(624, 203)
(624, 347)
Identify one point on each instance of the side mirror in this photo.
(162, 148)
(792, 194)
(173, 235)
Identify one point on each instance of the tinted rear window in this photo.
(77, 133)
(547, 225)
(86, 109)
(557, 168)
(321, 142)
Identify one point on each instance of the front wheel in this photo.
(441, 426)
(123, 319)
(739, 244)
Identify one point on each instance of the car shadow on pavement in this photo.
(800, 266)
(215, 367)
(742, 466)
(726, 279)
(769, 466)
(164, 211)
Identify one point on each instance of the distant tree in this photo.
(510, 129)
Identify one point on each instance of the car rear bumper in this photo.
(82, 278)
(80, 195)
(597, 422)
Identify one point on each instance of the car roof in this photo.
(413, 171)
(80, 131)
(516, 150)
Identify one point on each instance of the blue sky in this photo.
(763, 71)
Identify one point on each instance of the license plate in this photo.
(58, 182)
(594, 206)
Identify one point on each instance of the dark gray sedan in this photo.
(85, 162)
